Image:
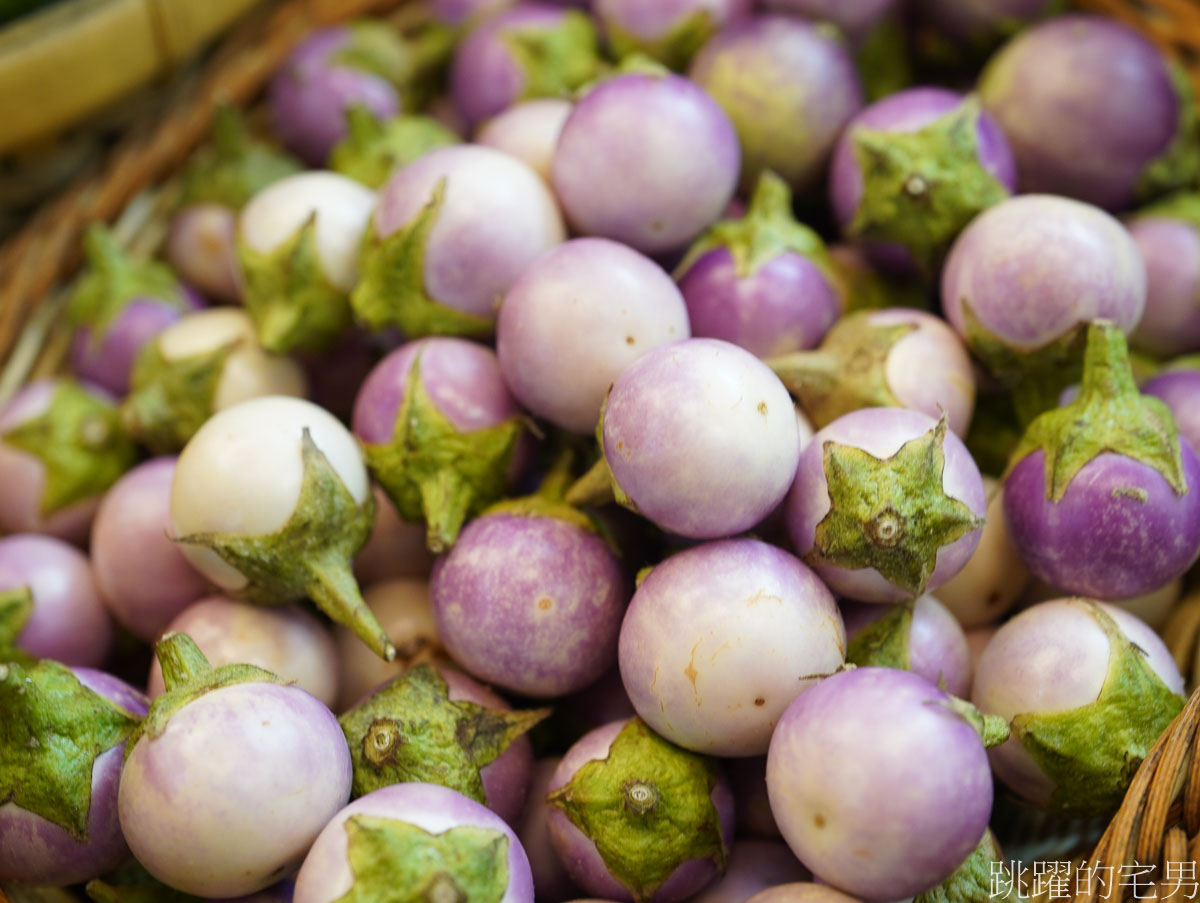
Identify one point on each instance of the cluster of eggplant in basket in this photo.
(660, 451)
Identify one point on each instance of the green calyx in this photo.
(233, 167)
(113, 280)
(187, 675)
(311, 554)
(1036, 376)
(1183, 206)
(921, 188)
(862, 288)
(555, 60)
(373, 150)
(890, 514)
(766, 231)
(411, 730)
(884, 642)
(883, 60)
(80, 442)
(288, 296)
(16, 605)
(675, 49)
(392, 290)
(1092, 752)
(52, 728)
(648, 808)
(433, 472)
(169, 400)
(992, 729)
(1109, 415)
(976, 879)
(1179, 165)
(396, 862)
(411, 63)
(848, 371)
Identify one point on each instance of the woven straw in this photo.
(1158, 823)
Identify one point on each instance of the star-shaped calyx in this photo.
(1108, 415)
(372, 149)
(674, 49)
(394, 861)
(648, 808)
(921, 188)
(81, 443)
(848, 371)
(311, 554)
(890, 514)
(554, 59)
(411, 730)
(233, 167)
(52, 728)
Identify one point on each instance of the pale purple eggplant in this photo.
(634, 817)
(1102, 496)
(920, 636)
(1087, 689)
(1093, 110)
(413, 839)
(450, 235)
(143, 577)
(754, 866)
(882, 760)
(528, 131)
(912, 170)
(59, 819)
(560, 359)
(529, 51)
(439, 432)
(700, 650)
(670, 31)
(551, 882)
(225, 740)
(49, 603)
(1168, 236)
(789, 88)
(762, 281)
(626, 166)
(1179, 389)
(887, 505)
(202, 248)
(373, 148)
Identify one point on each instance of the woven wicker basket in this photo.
(1159, 821)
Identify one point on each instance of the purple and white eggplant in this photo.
(912, 170)
(885, 358)
(271, 501)
(1168, 236)
(451, 234)
(754, 866)
(373, 149)
(551, 882)
(626, 168)
(60, 763)
(61, 447)
(438, 726)
(560, 359)
(178, 788)
(298, 249)
(49, 605)
(439, 430)
(1102, 497)
(789, 89)
(635, 818)
(415, 840)
(670, 32)
(1087, 689)
(887, 505)
(528, 131)
(764, 281)
(118, 306)
(531, 598)
(882, 760)
(529, 51)
(403, 610)
(1179, 388)
(141, 575)
(288, 642)
(1093, 110)
(921, 636)
(201, 247)
(699, 437)
(203, 363)
(994, 577)
(700, 648)
(1023, 280)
